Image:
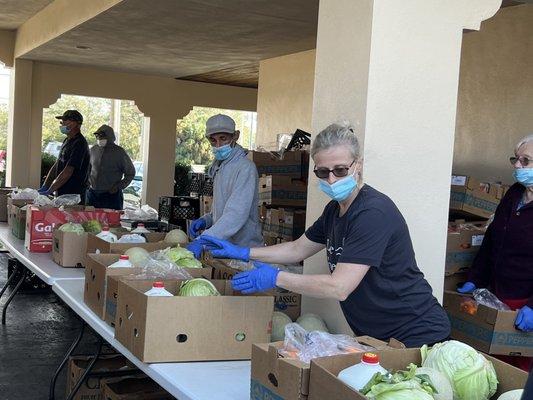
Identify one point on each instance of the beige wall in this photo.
(7, 46)
(162, 99)
(285, 95)
(495, 105)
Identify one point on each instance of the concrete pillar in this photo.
(391, 68)
(19, 126)
(159, 155)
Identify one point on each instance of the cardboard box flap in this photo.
(486, 314)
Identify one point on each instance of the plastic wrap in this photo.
(140, 214)
(248, 265)
(132, 238)
(164, 268)
(487, 298)
(67, 200)
(43, 201)
(308, 345)
(25, 194)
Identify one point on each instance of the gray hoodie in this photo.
(110, 165)
(235, 215)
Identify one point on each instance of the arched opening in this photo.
(5, 77)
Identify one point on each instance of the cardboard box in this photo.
(111, 293)
(207, 328)
(282, 191)
(154, 241)
(452, 282)
(464, 241)
(101, 292)
(276, 377)
(4, 192)
(18, 221)
(106, 366)
(294, 164)
(487, 330)
(69, 248)
(324, 384)
(206, 204)
(472, 197)
(133, 388)
(284, 300)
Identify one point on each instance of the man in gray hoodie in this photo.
(111, 171)
(235, 215)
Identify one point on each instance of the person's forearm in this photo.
(50, 176)
(321, 286)
(283, 253)
(62, 178)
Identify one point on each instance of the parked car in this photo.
(132, 194)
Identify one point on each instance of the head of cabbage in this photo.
(471, 375)
(177, 253)
(198, 287)
(189, 263)
(312, 322)
(279, 321)
(138, 256)
(176, 236)
(72, 227)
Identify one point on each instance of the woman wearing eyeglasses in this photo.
(372, 267)
(505, 260)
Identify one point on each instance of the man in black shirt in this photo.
(70, 172)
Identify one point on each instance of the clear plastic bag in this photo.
(25, 194)
(305, 345)
(67, 200)
(487, 298)
(159, 265)
(140, 214)
(132, 238)
(43, 201)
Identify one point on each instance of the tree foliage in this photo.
(3, 126)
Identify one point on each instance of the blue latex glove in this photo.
(196, 226)
(44, 190)
(260, 279)
(223, 249)
(524, 319)
(468, 287)
(196, 247)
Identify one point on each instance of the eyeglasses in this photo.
(524, 161)
(339, 172)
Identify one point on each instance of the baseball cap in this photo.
(219, 123)
(72, 115)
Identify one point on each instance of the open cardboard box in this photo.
(101, 291)
(154, 241)
(284, 300)
(208, 328)
(324, 383)
(488, 330)
(4, 194)
(133, 388)
(462, 244)
(69, 249)
(273, 375)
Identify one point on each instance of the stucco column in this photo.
(19, 154)
(159, 155)
(391, 68)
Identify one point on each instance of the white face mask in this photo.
(102, 142)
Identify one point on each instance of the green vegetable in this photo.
(472, 377)
(189, 263)
(177, 253)
(138, 256)
(279, 320)
(402, 385)
(92, 226)
(198, 287)
(312, 322)
(176, 236)
(512, 395)
(442, 385)
(72, 227)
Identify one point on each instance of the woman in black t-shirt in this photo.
(371, 261)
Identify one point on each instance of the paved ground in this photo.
(38, 332)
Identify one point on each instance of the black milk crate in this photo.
(176, 210)
(32, 283)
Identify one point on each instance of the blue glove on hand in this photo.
(44, 190)
(196, 248)
(262, 278)
(524, 319)
(224, 249)
(196, 226)
(468, 287)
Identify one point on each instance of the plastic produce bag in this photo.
(487, 298)
(308, 345)
(159, 265)
(67, 200)
(140, 214)
(43, 201)
(25, 194)
(132, 238)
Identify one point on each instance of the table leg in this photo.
(13, 293)
(9, 279)
(87, 371)
(51, 392)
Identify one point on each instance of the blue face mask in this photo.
(222, 152)
(339, 190)
(524, 176)
(64, 129)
